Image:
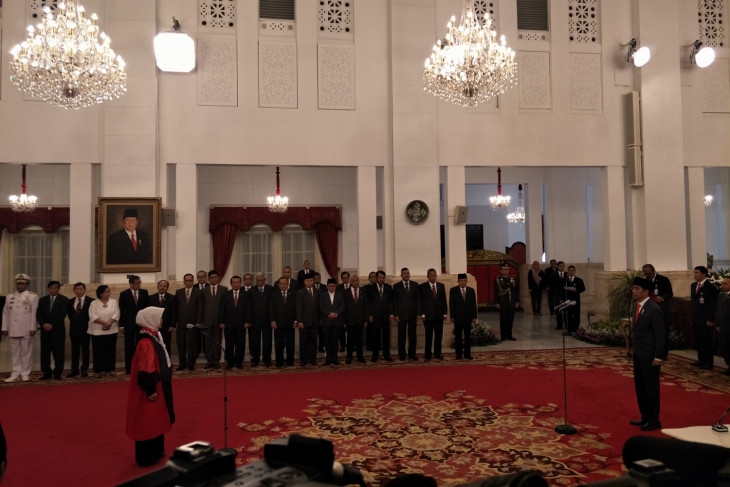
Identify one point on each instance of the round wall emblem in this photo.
(417, 212)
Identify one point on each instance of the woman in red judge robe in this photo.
(150, 412)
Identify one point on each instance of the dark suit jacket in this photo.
(300, 275)
(549, 276)
(212, 305)
(557, 286)
(662, 289)
(78, 322)
(121, 251)
(307, 308)
(2, 305)
(190, 312)
(405, 304)
(168, 303)
(531, 284)
(380, 308)
(335, 305)
(294, 285)
(260, 305)
(579, 286)
(356, 312)
(285, 314)
(650, 334)
(235, 314)
(128, 310)
(702, 312)
(54, 316)
(462, 310)
(433, 308)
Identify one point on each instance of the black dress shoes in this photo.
(636, 422)
(46, 377)
(440, 357)
(84, 373)
(696, 364)
(651, 426)
(469, 357)
(706, 366)
(413, 357)
(360, 360)
(72, 374)
(348, 361)
(388, 359)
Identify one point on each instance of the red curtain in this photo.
(49, 219)
(224, 237)
(226, 221)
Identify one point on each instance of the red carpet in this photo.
(453, 421)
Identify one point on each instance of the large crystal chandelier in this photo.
(470, 67)
(278, 203)
(499, 202)
(518, 216)
(25, 203)
(64, 63)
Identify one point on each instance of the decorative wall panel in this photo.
(277, 72)
(335, 16)
(584, 21)
(711, 18)
(217, 16)
(482, 7)
(336, 76)
(585, 82)
(716, 97)
(217, 70)
(534, 79)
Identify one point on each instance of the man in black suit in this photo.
(574, 287)
(405, 312)
(356, 318)
(212, 297)
(661, 293)
(380, 300)
(319, 288)
(131, 301)
(557, 291)
(234, 314)
(463, 311)
(260, 333)
(331, 308)
(433, 313)
(165, 300)
(78, 319)
(344, 286)
(649, 350)
(283, 316)
(306, 271)
(188, 317)
(202, 278)
(129, 245)
(308, 321)
(292, 284)
(372, 281)
(51, 313)
(703, 302)
(550, 276)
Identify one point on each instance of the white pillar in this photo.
(82, 232)
(533, 210)
(367, 251)
(614, 218)
(696, 211)
(454, 234)
(186, 206)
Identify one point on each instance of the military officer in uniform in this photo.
(20, 324)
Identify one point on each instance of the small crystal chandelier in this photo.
(519, 214)
(278, 203)
(471, 66)
(499, 202)
(24, 203)
(63, 62)
(709, 200)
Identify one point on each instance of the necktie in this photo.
(135, 297)
(261, 290)
(162, 300)
(235, 298)
(78, 305)
(283, 295)
(380, 290)
(311, 295)
(134, 242)
(636, 315)
(433, 288)
(406, 287)
(187, 295)
(355, 295)
(53, 298)
(213, 289)
(463, 293)
(697, 289)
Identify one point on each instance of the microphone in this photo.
(719, 427)
(565, 305)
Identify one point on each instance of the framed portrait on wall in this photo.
(129, 235)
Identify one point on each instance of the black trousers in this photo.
(354, 339)
(704, 341)
(187, 346)
(53, 343)
(724, 339)
(536, 298)
(80, 341)
(462, 338)
(235, 335)
(284, 342)
(552, 301)
(149, 452)
(646, 383)
(506, 320)
(130, 344)
(212, 346)
(105, 352)
(308, 344)
(332, 334)
(380, 337)
(434, 334)
(573, 318)
(407, 327)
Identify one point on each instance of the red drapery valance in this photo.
(49, 219)
(225, 221)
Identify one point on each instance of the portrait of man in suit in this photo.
(129, 235)
(129, 244)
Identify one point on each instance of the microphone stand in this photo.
(232, 451)
(565, 428)
(719, 427)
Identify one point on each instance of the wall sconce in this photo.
(638, 57)
(708, 200)
(701, 56)
(175, 51)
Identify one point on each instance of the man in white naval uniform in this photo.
(19, 323)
